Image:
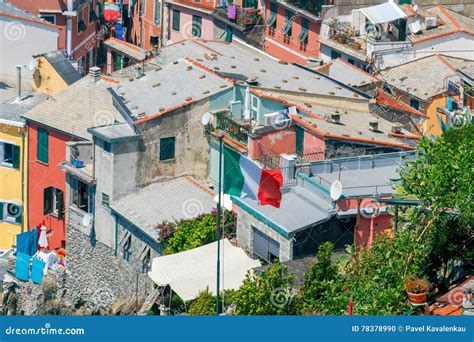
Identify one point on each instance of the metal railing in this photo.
(233, 128)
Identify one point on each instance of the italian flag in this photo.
(245, 178)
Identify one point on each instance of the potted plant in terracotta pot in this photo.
(417, 289)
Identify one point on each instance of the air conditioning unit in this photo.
(430, 22)
(278, 120)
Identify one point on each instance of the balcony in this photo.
(79, 161)
(235, 128)
(245, 17)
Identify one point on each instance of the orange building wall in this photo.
(293, 51)
(144, 27)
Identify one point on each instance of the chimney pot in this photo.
(94, 74)
(336, 118)
(374, 125)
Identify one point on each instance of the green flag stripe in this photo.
(233, 177)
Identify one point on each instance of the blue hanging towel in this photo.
(33, 241)
(22, 266)
(37, 271)
(23, 242)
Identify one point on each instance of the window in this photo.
(335, 55)
(80, 195)
(81, 25)
(272, 21)
(9, 155)
(303, 37)
(167, 148)
(351, 61)
(92, 15)
(42, 146)
(10, 212)
(156, 17)
(146, 261)
(127, 248)
(51, 18)
(197, 25)
(415, 104)
(286, 30)
(176, 20)
(53, 202)
(105, 200)
(143, 6)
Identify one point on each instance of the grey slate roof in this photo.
(467, 71)
(164, 88)
(347, 73)
(8, 8)
(167, 201)
(241, 62)
(299, 209)
(63, 66)
(10, 109)
(130, 50)
(424, 77)
(114, 133)
(82, 105)
(363, 182)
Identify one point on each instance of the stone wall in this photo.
(245, 222)
(339, 149)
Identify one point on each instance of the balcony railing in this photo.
(244, 16)
(234, 129)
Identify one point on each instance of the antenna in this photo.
(336, 190)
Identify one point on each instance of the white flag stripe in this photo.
(252, 173)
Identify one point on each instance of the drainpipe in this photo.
(70, 14)
(22, 165)
(18, 83)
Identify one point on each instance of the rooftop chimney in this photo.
(336, 118)
(374, 125)
(18, 83)
(138, 72)
(397, 128)
(94, 74)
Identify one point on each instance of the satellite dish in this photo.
(206, 118)
(336, 190)
(32, 65)
(86, 220)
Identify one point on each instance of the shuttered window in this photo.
(167, 148)
(197, 26)
(176, 20)
(42, 146)
(157, 14)
(303, 37)
(9, 155)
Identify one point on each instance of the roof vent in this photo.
(374, 125)
(397, 128)
(94, 74)
(430, 22)
(138, 72)
(336, 118)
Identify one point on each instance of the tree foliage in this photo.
(268, 293)
(203, 305)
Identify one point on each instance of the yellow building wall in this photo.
(13, 184)
(45, 78)
(431, 125)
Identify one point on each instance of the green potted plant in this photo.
(417, 289)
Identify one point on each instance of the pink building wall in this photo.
(186, 24)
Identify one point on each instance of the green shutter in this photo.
(19, 217)
(197, 26)
(60, 204)
(42, 146)
(176, 20)
(1, 210)
(16, 157)
(299, 140)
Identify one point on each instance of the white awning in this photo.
(192, 271)
(383, 13)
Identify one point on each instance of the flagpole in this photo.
(220, 135)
